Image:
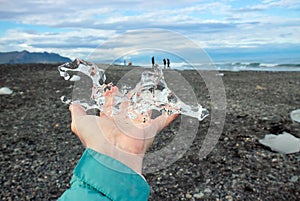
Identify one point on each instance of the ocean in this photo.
(231, 66)
(239, 66)
(255, 61)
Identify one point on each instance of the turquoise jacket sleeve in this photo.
(100, 177)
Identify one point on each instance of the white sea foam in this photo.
(237, 66)
(268, 65)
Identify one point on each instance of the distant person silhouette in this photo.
(164, 60)
(168, 63)
(153, 61)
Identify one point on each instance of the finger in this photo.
(111, 91)
(124, 106)
(163, 121)
(130, 93)
(76, 112)
(110, 96)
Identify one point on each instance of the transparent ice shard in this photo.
(283, 143)
(150, 93)
(295, 115)
(74, 78)
(5, 91)
(69, 71)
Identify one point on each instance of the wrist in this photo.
(133, 161)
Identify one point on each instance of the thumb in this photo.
(163, 121)
(77, 111)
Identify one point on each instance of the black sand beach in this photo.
(39, 151)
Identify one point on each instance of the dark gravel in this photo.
(39, 152)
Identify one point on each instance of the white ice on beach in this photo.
(295, 115)
(150, 93)
(75, 78)
(220, 74)
(284, 143)
(5, 91)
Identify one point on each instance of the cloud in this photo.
(74, 28)
(149, 41)
(80, 42)
(291, 4)
(269, 4)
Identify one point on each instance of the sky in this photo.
(74, 28)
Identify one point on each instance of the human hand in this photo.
(117, 136)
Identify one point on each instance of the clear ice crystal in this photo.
(150, 93)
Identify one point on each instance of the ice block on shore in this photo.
(295, 115)
(150, 93)
(283, 143)
(5, 91)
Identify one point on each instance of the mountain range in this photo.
(31, 57)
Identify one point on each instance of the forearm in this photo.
(99, 175)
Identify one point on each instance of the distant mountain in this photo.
(31, 57)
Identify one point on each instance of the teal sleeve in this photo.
(100, 177)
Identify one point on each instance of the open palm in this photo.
(117, 136)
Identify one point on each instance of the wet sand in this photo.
(39, 152)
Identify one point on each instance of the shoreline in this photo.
(39, 151)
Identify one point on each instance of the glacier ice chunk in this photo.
(150, 93)
(74, 78)
(5, 91)
(295, 115)
(283, 143)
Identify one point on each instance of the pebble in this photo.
(207, 190)
(294, 178)
(188, 195)
(229, 198)
(38, 116)
(199, 195)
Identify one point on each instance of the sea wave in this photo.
(240, 66)
(232, 66)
